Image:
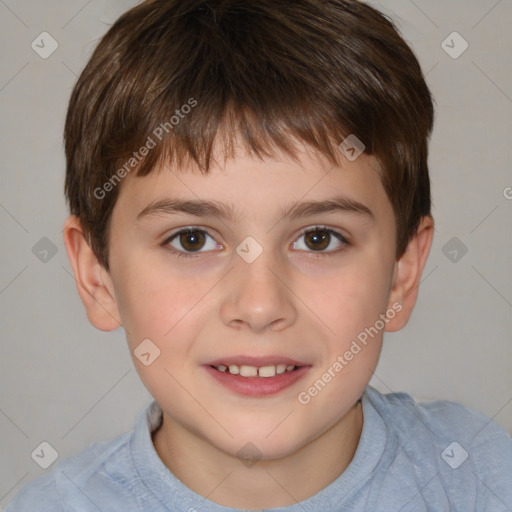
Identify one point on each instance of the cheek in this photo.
(162, 311)
(352, 299)
(151, 304)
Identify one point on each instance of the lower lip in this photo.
(258, 386)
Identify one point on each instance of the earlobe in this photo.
(93, 282)
(408, 272)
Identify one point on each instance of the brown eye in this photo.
(321, 240)
(192, 240)
(318, 240)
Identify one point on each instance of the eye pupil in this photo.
(320, 239)
(189, 239)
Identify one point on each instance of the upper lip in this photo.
(256, 361)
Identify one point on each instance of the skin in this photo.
(292, 300)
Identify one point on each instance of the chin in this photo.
(265, 444)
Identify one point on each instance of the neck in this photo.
(223, 479)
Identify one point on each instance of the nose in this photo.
(259, 296)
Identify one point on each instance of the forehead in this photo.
(245, 185)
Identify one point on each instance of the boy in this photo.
(250, 200)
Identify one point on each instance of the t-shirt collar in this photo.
(161, 482)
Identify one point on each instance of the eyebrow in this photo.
(205, 208)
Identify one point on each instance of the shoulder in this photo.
(69, 482)
(40, 494)
(442, 419)
(464, 448)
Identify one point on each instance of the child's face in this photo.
(290, 303)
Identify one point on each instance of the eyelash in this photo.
(314, 254)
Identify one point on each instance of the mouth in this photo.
(257, 377)
(264, 372)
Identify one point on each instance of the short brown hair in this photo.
(265, 73)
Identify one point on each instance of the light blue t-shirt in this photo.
(438, 456)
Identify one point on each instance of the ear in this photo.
(93, 282)
(407, 275)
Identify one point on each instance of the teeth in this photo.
(280, 368)
(267, 371)
(248, 371)
(254, 371)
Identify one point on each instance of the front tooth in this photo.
(280, 368)
(233, 368)
(267, 371)
(248, 371)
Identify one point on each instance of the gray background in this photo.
(66, 383)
